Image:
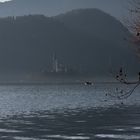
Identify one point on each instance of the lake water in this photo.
(67, 112)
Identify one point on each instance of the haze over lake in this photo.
(67, 111)
(69, 70)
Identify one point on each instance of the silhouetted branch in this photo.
(121, 77)
(122, 94)
(133, 24)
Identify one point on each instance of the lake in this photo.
(68, 112)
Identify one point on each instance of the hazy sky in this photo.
(116, 8)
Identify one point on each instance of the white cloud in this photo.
(4, 0)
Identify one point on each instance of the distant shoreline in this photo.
(53, 83)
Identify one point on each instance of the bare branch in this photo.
(121, 77)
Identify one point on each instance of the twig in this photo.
(121, 77)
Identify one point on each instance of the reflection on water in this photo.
(111, 123)
(67, 112)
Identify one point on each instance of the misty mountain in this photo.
(94, 22)
(46, 7)
(55, 7)
(89, 41)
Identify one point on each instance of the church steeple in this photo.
(55, 67)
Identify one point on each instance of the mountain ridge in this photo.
(28, 42)
(51, 7)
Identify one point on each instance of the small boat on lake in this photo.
(88, 83)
